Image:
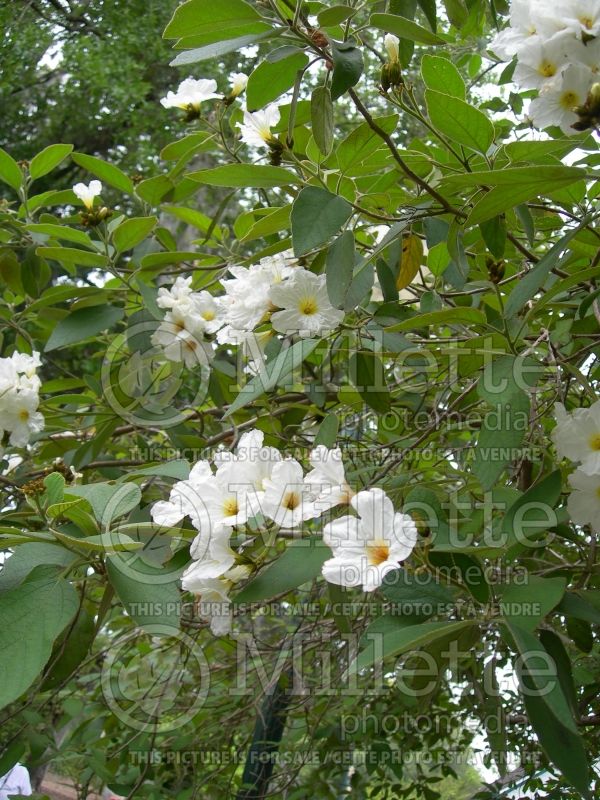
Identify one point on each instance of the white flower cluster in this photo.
(557, 46)
(577, 437)
(258, 483)
(19, 398)
(276, 290)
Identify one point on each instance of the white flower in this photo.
(21, 416)
(305, 303)
(228, 497)
(541, 61)
(584, 501)
(392, 45)
(254, 460)
(213, 597)
(208, 311)
(87, 193)
(577, 436)
(26, 364)
(247, 302)
(213, 600)
(287, 500)
(256, 128)
(238, 81)
(582, 17)
(327, 479)
(212, 555)
(557, 101)
(190, 94)
(367, 547)
(181, 336)
(180, 292)
(183, 499)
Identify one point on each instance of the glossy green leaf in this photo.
(133, 231)
(460, 122)
(270, 80)
(441, 75)
(347, 67)
(316, 216)
(81, 324)
(49, 158)
(300, 562)
(240, 176)
(108, 173)
(405, 29)
(321, 110)
(10, 172)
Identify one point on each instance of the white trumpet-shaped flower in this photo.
(577, 436)
(327, 479)
(367, 547)
(191, 94)
(238, 81)
(584, 501)
(392, 45)
(304, 304)
(287, 499)
(87, 193)
(256, 127)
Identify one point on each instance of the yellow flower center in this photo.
(595, 441)
(377, 553)
(569, 100)
(547, 69)
(587, 22)
(23, 415)
(291, 500)
(230, 507)
(208, 315)
(308, 306)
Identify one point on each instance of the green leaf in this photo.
(72, 256)
(299, 563)
(109, 501)
(147, 596)
(405, 29)
(367, 374)
(106, 172)
(527, 604)
(548, 711)
(542, 178)
(522, 521)
(245, 175)
(197, 16)
(528, 285)
(574, 605)
(440, 74)
(273, 373)
(457, 12)
(62, 232)
(81, 324)
(334, 16)
(70, 649)
(494, 232)
(339, 268)
(211, 51)
(32, 615)
(438, 258)
(188, 144)
(450, 316)
(328, 431)
(362, 142)
(401, 638)
(347, 67)
(133, 231)
(459, 121)
(275, 220)
(498, 444)
(270, 80)
(49, 158)
(321, 111)
(316, 216)
(10, 171)
(429, 9)
(27, 557)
